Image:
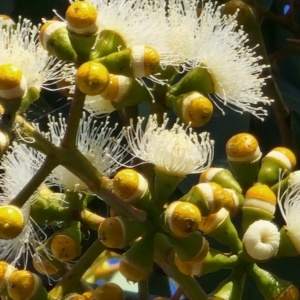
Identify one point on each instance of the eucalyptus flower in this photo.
(96, 142)
(178, 151)
(235, 68)
(19, 45)
(17, 166)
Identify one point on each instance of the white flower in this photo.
(234, 67)
(19, 45)
(18, 166)
(289, 204)
(96, 143)
(261, 240)
(178, 151)
(96, 105)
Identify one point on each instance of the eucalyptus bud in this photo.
(108, 291)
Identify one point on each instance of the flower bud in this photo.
(88, 295)
(108, 291)
(117, 232)
(24, 285)
(13, 85)
(92, 78)
(11, 222)
(289, 293)
(73, 296)
(260, 203)
(65, 244)
(81, 18)
(220, 227)
(54, 38)
(182, 218)
(44, 265)
(221, 176)
(261, 240)
(4, 142)
(233, 201)
(279, 158)
(244, 155)
(208, 197)
(6, 271)
(193, 109)
(137, 263)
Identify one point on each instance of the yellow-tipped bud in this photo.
(243, 147)
(108, 291)
(13, 84)
(11, 222)
(43, 265)
(74, 296)
(290, 293)
(6, 271)
(233, 201)
(81, 17)
(88, 295)
(117, 89)
(131, 271)
(92, 78)
(144, 60)
(112, 233)
(197, 109)
(188, 268)
(211, 222)
(260, 197)
(23, 285)
(129, 185)
(183, 218)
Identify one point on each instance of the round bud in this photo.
(81, 17)
(111, 233)
(211, 222)
(118, 87)
(284, 156)
(43, 266)
(64, 248)
(22, 285)
(144, 60)
(11, 222)
(261, 197)
(108, 291)
(243, 147)
(5, 272)
(197, 110)
(13, 84)
(131, 271)
(92, 78)
(188, 268)
(183, 218)
(47, 30)
(129, 185)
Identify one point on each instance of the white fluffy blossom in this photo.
(96, 105)
(19, 45)
(178, 151)
(235, 68)
(261, 240)
(96, 142)
(18, 166)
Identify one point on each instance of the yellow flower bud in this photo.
(92, 78)
(81, 17)
(44, 266)
(183, 218)
(131, 271)
(13, 84)
(88, 295)
(289, 293)
(144, 60)
(6, 271)
(197, 109)
(74, 296)
(188, 268)
(11, 222)
(108, 291)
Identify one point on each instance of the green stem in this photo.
(143, 290)
(162, 257)
(49, 164)
(73, 121)
(74, 275)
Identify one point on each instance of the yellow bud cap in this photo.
(92, 78)
(197, 109)
(5, 272)
(64, 248)
(129, 185)
(211, 222)
(118, 87)
(284, 156)
(243, 147)
(111, 233)
(132, 272)
(188, 268)
(108, 291)
(43, 266)
(290, 293)
(88, 295)
(262, 197)
(47, 30)
(21, 285)
(144, 60)
(183, 218)
(11, 222)
(13, 84)
(81, 17)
